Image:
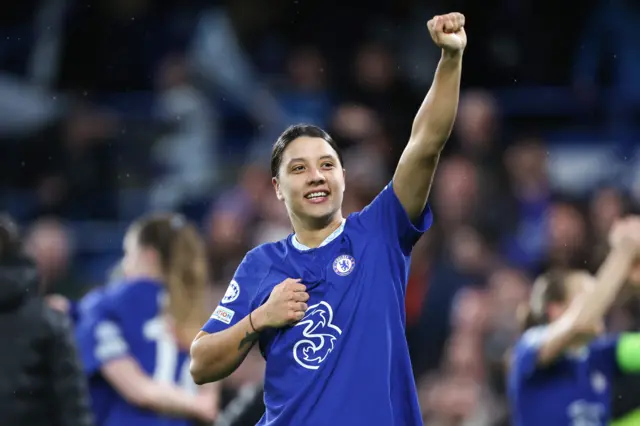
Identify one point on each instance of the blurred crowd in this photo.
(109, 109)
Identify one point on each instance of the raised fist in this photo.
(626, 232)
(447, 32)
(286, 305)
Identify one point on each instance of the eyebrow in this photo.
(302, 160)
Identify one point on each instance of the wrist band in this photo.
(251, 323)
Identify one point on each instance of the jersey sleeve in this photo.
(238, 300)
(525, 354)
(387, 215)
(100, 336)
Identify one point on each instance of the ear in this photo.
(554, 311)
(276, 187)
(150, 256)
(344, 179)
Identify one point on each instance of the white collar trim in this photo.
(335, 234)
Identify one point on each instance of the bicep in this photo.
(412, 182)
(386, 214)
(201, 334)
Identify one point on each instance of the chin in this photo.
(320, 215)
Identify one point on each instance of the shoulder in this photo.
(604, 342)
(253, 270)
(526, 347)
(269, 251)
(532, 337)
(129, 290)
(604, 349)
(259, 260)
(116, 300)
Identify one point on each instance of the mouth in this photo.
(317, 196)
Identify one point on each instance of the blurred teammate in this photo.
(130, 334)
(561, 369)
(327, 303)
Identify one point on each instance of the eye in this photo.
(327, 165)
(297, 168)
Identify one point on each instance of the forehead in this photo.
(131, 238)
(307, 148)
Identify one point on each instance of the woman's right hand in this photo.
(286, 306)
(58, 303)
(626, 233)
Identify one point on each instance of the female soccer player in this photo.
(560, 372)
(129, 334)
(327, 303)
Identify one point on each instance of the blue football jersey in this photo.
(125, 320)
(573, 390)
(347, 361)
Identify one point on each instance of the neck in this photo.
(149, 275)
(313, 237)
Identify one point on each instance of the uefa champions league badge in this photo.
(343, 265)
(232, 293)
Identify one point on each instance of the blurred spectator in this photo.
(175, 104)
(304, 96)
(48, 242)
(606, 206)
(609, 40)
(186, 157)
(43, 383)
(365, 148)
(377, 84)
(69, 166)
(567, 239)
(227, 227)
(526, 166)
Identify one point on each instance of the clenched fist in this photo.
(447, 32)
(626, 232)
(286, 305)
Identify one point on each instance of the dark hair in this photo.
(550, 287)
(292, 133)
(9, 236)
(182, 257)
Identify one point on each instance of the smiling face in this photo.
(310, 181)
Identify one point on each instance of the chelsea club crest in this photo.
(343, 265)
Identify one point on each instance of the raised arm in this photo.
(588, 309)
(434, 120)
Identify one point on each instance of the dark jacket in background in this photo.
(245, 408)
(41, 380)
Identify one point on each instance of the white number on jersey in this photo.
(167, 355)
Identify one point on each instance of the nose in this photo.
(315, 176)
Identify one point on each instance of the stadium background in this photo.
(113, 108)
